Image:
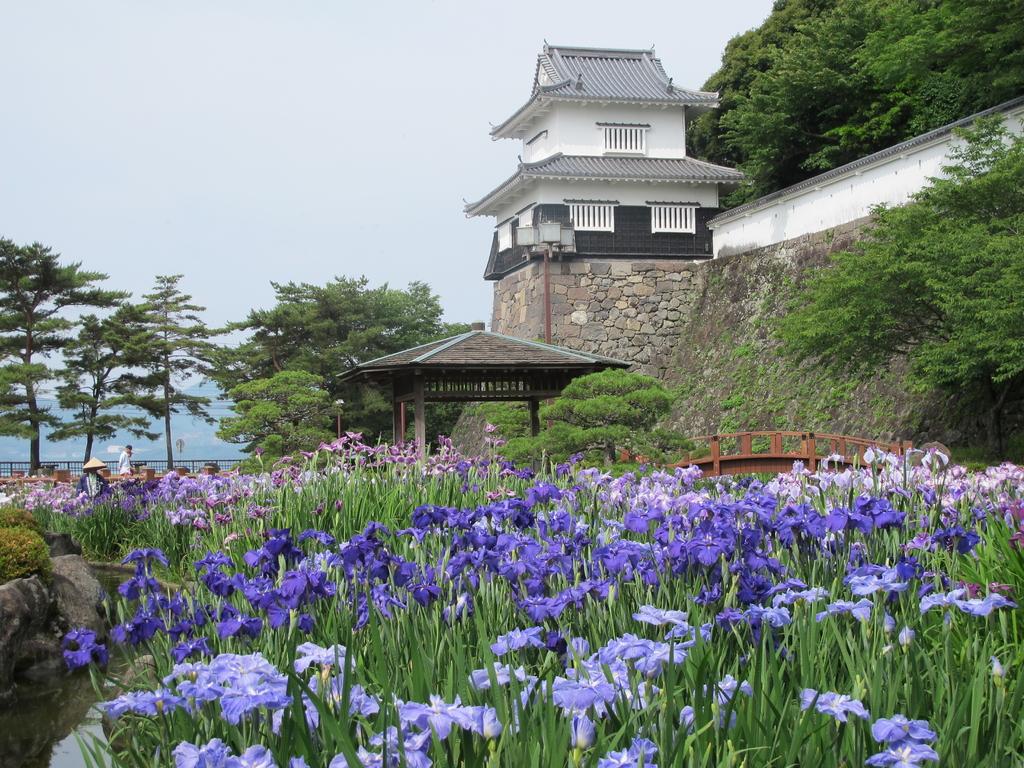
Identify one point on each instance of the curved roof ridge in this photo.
(611, 168)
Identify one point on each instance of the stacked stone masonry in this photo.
(629, 309)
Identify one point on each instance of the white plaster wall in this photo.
(572, 130)
(891, 181)
(626, 193)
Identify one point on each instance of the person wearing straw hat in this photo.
(91, 481)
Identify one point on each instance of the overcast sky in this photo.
(243, 142)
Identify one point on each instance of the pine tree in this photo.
(35, 291)
(101, 378)
(179, 350)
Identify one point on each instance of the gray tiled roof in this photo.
(606, 74)
(484, 349)
(861, 162)
(611, 168)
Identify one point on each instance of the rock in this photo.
(26, 612)
(61, 544)
(78, 593)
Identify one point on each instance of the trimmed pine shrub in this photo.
(13, 517)
(23, 553)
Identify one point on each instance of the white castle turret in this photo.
(604, 166)
(604, 150)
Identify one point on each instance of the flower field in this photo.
(356, 608)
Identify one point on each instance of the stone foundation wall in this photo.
(629, 309)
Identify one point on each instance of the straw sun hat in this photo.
(94, 463)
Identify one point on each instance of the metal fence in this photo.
(15, 468)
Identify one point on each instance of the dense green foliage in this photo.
(938, 280)
(179, 349)
(283, 413)
(36, 290)
(23, 553)
(120, 371)
(325, 330)
(599, 415)
(823, 82)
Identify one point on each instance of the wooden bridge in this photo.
(740, 453)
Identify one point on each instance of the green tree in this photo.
(325, 330)
(601, 414)
(280, 414)
(101, 379)
(36, 291)
(179, 351)
(819, 83)
(938, 280)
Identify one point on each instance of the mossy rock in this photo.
(13, 517)
(23, 553)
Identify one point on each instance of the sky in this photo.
(242, 142)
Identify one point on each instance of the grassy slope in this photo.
(730, 375)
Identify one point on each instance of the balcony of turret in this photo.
(631, 236)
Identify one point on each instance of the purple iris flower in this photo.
(888, 581)
(308, 654)
(648, 614)
(80, 649)
(438, 715)
(518, 639)
(860, 610)
(838, 705)
(582, 733)
(484, 722)
(790, 596)
(727, 688)
(188, 649)
(254, 757)
(640, 753)
(144, 558)
(480, 678)
(153, 703)
(904, 755)
(899, 728)
(581, 695)
(775, 617)
(250, 692)
(906, 637)
(985, 605)
(211, 755)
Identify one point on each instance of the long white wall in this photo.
(844, 198)
(572, 130)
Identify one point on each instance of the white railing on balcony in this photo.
(674, 218)
(592, 217)
(631, 139)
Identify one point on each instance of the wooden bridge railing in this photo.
(775, 451)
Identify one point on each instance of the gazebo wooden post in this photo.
(397, 425)
(534, 416)
(420, 416)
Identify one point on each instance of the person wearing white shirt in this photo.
(124, 462)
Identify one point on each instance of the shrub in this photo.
(601, 414)
(12, 517)
(22, 553)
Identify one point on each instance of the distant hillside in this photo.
(823, 82)
(200, 438)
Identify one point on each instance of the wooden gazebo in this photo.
(475, 366)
